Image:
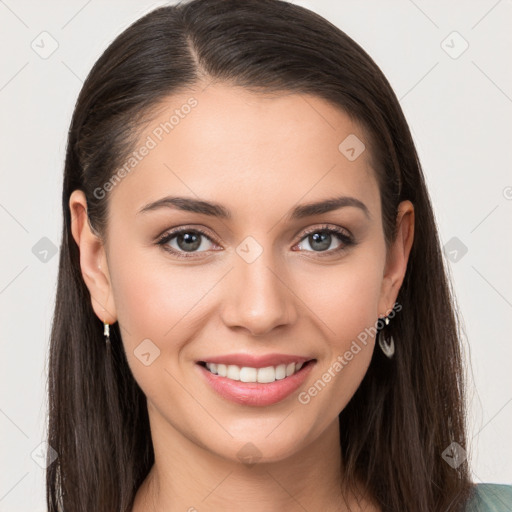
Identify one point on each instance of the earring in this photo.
(386, 343)
(106, 333)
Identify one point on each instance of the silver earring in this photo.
(386, 343)
(106, 333)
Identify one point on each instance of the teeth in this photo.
(290, 369)
(261, 375)
(247, 374)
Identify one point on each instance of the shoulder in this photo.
(490, 498)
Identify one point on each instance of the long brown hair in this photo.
(406, 411)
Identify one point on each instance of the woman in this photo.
(252, 308)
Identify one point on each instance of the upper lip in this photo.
(253, 361)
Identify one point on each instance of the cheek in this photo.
(345, 302)
(344, 298)
(153, 293)
(158, 305)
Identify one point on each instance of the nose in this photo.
(258, 297)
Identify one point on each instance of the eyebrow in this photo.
(217, 210)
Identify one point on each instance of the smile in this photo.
(248, 374)
(260, 387)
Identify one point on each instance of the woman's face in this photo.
(265, 283)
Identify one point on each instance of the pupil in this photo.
(189, 238)
(191, 241)
(323, 238)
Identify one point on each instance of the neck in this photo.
(188, 477)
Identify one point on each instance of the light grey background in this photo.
(458, 105)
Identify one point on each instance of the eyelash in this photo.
(347, 241)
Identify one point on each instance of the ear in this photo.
(398, 255)
(93, 260)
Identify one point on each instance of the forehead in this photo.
(251, 152)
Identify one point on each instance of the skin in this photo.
(259, 156)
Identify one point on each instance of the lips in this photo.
(255, 393)
(254, 361)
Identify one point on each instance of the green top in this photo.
(491, 498)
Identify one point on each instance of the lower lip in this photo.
(255, 393)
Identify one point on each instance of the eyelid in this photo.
(172, 232)
(326, 227)
(344, 235)
(169, 234)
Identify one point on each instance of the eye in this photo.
(185, 240)
(321, 239)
